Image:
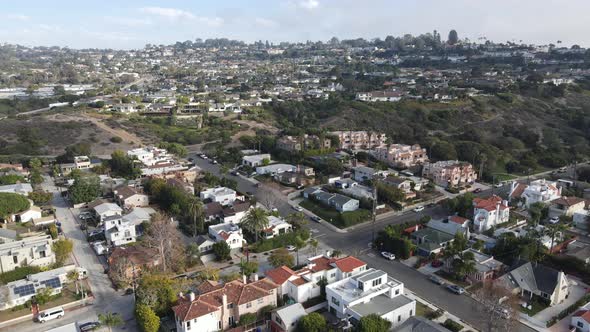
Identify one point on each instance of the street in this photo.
(358, 241)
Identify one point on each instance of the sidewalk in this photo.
(443, 317)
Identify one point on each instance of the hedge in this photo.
(452, 325)
(279, 241)
(18, 273)
(567, 311)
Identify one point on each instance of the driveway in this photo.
(577, 291)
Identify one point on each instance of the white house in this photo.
(364, 173)
(34, 212)
(451, 225)
(105, 210)
(285, 319)
(302, 285)
(117, 231)
(19, 188)
(222, 195)
(537, 191)
(127, 196)
(275, 169)
(276, 226)
(489, 212)
(125, 108)
(31, 251)
(370, 292)
(229, 233)
(581, 319)
(256, 160)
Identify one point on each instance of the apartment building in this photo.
(356, 140)
(30, 251)
(400, 155)
(449, 173)
(295, 143)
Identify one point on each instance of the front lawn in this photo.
(67, 295)
(536, 307)
(340, 220)
(279, 241)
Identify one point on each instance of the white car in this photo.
(418, 209)
(554, 220)
(388, 255)
(290, 248)
(297, 208)
(51, 314)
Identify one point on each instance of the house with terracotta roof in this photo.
(218, 306)
(489, 212)
(566, 206)
(302, 285)
(581, 319)
(537, 191)
(228, 233)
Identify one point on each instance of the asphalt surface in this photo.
(357, 242)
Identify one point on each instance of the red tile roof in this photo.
(458, 220)
(348, 264)
(280, 275)
(518, 190)
(321, 264)
(299, 281)
(489, 203)
(584, 314)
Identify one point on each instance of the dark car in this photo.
(83, 227)
(129, 291)
(477, 190)
(89, 326)
(436, 280)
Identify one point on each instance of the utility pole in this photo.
(375, 183)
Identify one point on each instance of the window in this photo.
(249, 305)
(399, 318)
(411, 313)
(188, 325)
(335, 301)
(333, 275)
(376, 282)
(397, 292)
(581, 324)
(230, 306)
(15, 259)
(260, 301)
(231, 320)
(42, 254)
(219, 325)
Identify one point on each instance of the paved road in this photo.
(106, 298)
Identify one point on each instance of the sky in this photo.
(129, 24)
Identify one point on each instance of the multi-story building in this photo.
(222, 195)
(400, 155)
(370, 292)
(355, 140)
(449, 173)
(129, 197)
(295, 143)
(276, 226)
(489, 212)
(118, 231)
(537, 191)
(220, 306)
(383, 96)
(228, 233)
(30, 251)
(302, 285)
(150, 156)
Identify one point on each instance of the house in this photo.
(106, 210)
(285, 319)
(533, 279)
(449, 173)
(339, 202)
(275, 169)
(364, 173)
(133, 259)
(80, 162)
(150, 156)
(370, 292)
(580, 320)
(451, 225)
(489, 212)
(205, 244)
(19, 188)
(379, 96)
(486, 267)
(34, 212)
(118, 232)
(228, 233)
(295, 143)
(420, 324)
(276, 226)
(355, 140)
(566, 206)
(401, 155)
(125, 108)
(226, 214)
(30, 251)
(256, 160)
(219, 306)
(537, 191)
(579, 250)
(581, 220)
(302, 285)
(128, 197)
(403, 184)
(430, 241)
(222, 195)
(302, 176)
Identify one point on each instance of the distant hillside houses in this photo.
(379, 96)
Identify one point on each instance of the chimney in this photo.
(244, 279)
(224, 301)
(191, 296)
(498, 213)
(255, 275)
(180, 294)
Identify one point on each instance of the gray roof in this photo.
(341, 199)
(370, 275)
(535, 277)
(8, 234)
(381, 305)
(420, 324)
(291, 314)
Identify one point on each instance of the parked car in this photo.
(316, 219)
(554, 220)
(456, 289)
(290, 248)
(83, 227)
(51, 314)
(436, 280)
(436, 263)
(89, 326)
(499, 185)
(418, 209)
(477, 190)
(85, 216)
(297, 208)
(388, 255)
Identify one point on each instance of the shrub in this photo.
(452, 325)
(18, 273)
(116, 139)
(222, 251)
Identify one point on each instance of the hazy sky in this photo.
(132, 23)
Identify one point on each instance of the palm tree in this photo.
(553, 230)
(297, 220)
(73, 277)
(110, 320)
(255, 221)
(195, 211)
(336, 253)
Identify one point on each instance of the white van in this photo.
(51, 314)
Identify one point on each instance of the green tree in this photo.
(158, 292)
(52, 231)
(255, 221)
(62, 249)
(248, 268)
(222, 251)
(122, 165)
(44, 295)
(247, 319)
(110, 320)
(281, 257)
(73, 276)
(12, 203)
(85, 189)
(146, 318)
(11, 179)
(373, 323)
(40, 197)
(553, 230)
(196, 213)
(297, 220)
(312, 322)
(453, 37)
